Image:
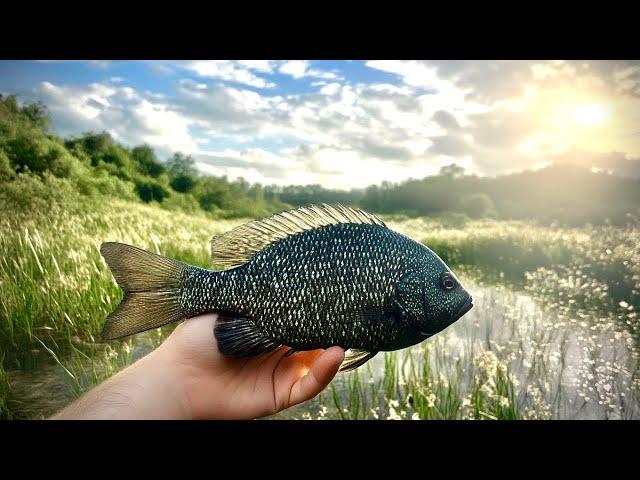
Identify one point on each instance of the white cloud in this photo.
(300, 69)
(490, 117)
(265, 66)
(126, 114)
(330, 88)
(231, 71)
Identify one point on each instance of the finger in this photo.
(193, 338)
(289, 370)
(298, 364)
(318, 377)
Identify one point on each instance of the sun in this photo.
(591, 115)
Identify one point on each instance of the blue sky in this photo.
(346, 124)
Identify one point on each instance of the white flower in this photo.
(393, 415)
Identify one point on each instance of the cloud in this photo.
(446, 120)
(241, 72)
(627, 79)
(494, 80)
(617, 163)
(221, 107)
(253, 164)
(350, 135)
(500, 128)
(450, 145)
(300, 69)
(127, 115)
(490, 117)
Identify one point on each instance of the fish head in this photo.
(445, 301)
(433, 298)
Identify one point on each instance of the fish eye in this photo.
(448, 283)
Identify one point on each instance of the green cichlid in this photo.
(308, 278)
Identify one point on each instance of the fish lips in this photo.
(468, 305)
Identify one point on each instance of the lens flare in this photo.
(591, 115)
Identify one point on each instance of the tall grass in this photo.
(55, 285)
(5, 393)
(509, 250)
(568, 348)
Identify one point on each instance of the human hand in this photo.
(219, 386)
(187, 377)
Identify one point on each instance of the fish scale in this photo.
(308, 278)
(297, 293)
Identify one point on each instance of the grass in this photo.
(562, 342)
(55, 285)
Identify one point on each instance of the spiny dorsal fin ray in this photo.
(237, 246)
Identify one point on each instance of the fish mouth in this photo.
(468, 305)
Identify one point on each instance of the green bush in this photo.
(29, 193)
(6, 172)
(107, 186)
(477, 205)
(146, 161)
(150, 191)
(181, 202)
(182, 183)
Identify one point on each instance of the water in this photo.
(564, 364)
(583, 364)
(571, 365)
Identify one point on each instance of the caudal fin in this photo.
(151, 285)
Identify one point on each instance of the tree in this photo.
(182, 171)
(146, 161)
(11, 103)
(180, 164)
(477, 205)
(452, 170)
(6, 171)
(214, 192)
(38, 113)
(150, 190)
(94, 143)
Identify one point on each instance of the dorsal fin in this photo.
(237, 246)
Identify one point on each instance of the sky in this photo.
(344, 124)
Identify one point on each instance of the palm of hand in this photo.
(218, 386)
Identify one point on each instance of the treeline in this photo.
(94, 164)
(569, 194)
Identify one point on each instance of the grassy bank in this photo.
(55, 291)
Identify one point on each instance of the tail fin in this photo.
(151, 285)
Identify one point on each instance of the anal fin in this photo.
(354, 358)
(238, 336)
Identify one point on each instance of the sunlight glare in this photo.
(595, 114)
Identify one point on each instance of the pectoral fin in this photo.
(240, 337)
(355, 358)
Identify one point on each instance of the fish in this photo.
(309, 278)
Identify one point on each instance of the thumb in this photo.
(318, 377)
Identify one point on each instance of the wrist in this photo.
(162, 374)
